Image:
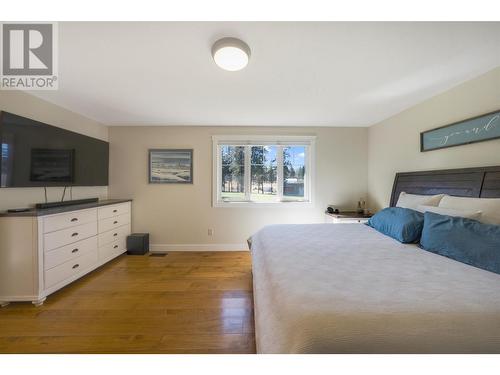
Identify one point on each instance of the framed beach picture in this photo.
(477, 129)
(171, 166)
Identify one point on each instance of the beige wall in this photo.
(30, 106)
(394, 144)
(182, 214)
(350, 163)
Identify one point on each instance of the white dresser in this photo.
(42, 252)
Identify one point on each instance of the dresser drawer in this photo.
(113, 222)
(113, 249)
(113, 235)
(63, 237)
(68, 220)
(63, 254)
(113, 210)
(70, 268)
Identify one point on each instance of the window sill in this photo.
(283, 204)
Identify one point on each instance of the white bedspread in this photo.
(345, 288)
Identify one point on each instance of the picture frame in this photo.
(476, 129)
(170, 166)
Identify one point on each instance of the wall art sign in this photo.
(476, 129)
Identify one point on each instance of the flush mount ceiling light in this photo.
(231, 54)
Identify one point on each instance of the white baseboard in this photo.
(161, 248)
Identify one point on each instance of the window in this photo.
(5, 162)
(233, 173)
(262, 171)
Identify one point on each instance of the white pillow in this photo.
(414, 200)
(468, 214)
(489, 207)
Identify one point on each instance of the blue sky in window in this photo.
(270, 155)
(5, 150)
(297, 155)
(226, 152)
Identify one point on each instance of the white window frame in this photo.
(248, 141)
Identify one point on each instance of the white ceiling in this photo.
(300, 73)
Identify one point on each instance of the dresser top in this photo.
(58, 210)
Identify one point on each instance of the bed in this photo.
(326, 288)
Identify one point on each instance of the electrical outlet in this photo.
(210, 232)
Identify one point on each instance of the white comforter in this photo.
(345, 288)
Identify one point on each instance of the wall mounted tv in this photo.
(38, 154)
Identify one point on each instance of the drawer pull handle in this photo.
(115, 247)
(76, 266)
(74, 250)
(115, 211)
(115, 222)
(74, 234)
(115, 234)
(74, 219)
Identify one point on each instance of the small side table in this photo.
(347, 217)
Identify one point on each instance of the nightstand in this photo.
(347, 217)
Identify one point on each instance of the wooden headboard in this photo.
(481, 182)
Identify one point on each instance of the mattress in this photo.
(326, 288)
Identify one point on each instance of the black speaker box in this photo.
(138, 243)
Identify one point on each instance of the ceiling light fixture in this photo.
(231, 54)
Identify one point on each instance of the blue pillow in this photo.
(402, 224)
(465, 240)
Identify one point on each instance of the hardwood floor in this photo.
(185, 302)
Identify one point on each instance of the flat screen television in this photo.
(37, 154)
(52, 165)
